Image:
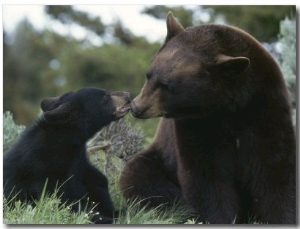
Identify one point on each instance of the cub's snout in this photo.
(121, 101)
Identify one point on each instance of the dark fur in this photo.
(54, 148)
(226, 144)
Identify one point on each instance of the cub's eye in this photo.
(105, 97)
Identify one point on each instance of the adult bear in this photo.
(226, 143)
(53, 149)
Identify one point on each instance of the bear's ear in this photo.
(49, 103)
(59, 115)
(231, 66)
(173, 27)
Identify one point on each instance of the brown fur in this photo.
(225, 144)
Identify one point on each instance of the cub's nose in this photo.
(126, 95)
(123, 94)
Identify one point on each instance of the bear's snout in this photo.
(134, 110)
(144, 111)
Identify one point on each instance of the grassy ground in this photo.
(49, 210)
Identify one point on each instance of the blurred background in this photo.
(49, 50)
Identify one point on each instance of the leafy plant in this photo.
(287, 40)
(287, 62)
(119, 139)
(11, 131)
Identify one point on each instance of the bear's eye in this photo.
(148, 74)
(167, 86)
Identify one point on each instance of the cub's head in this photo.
(195, 72)
(86, 110)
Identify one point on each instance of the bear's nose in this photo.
(134, 109)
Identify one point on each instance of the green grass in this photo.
(47, 210)
(135, 214)
(50, 210)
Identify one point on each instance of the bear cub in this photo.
(53, 149)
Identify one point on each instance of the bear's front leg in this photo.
(147, 178)
(77, 195)
(96, 185)
(214, 201)
(274, 196)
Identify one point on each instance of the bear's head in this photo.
(197, 71)
(86, 110)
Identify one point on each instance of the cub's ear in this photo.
(59, 115)
(49, 103)
(230, 66)
(173, 27)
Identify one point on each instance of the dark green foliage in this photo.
(24, 62)
(67, 15)
(260, 21)
(40, 64)
(184, 15)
